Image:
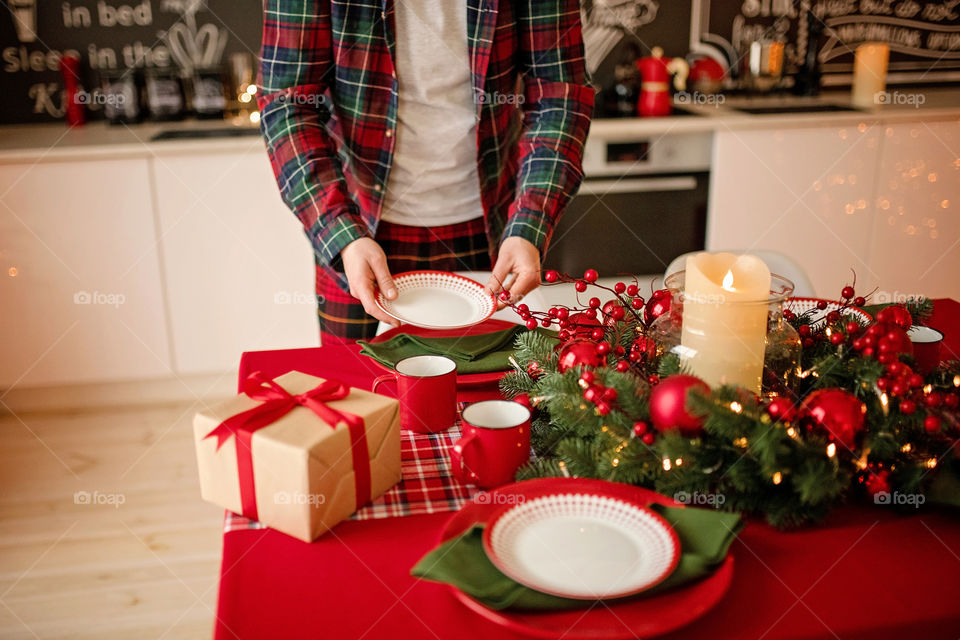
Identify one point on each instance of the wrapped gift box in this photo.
(300, 468)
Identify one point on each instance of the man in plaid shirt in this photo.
(412, 134)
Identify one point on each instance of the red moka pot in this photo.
(655, 73)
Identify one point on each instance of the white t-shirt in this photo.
(434, 179)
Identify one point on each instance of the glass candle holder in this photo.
(781, 357)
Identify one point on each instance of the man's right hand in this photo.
(365, 265)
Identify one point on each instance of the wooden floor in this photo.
(143, 563)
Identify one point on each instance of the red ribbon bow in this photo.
(276, 402)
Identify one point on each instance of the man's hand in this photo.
(365, 266)
(520, 258)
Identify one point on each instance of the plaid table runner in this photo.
(426, 485)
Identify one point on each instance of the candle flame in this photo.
(728, 281)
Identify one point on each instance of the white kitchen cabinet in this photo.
(80, 285)
(238, 268)
(805, 192)
(916, 239)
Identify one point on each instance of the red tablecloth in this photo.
(864, 573)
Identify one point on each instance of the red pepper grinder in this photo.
(655, 71)
(73, 98)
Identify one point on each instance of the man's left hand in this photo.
(520, 258)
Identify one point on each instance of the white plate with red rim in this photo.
(803, 305)
(582, 545)
(438, 300)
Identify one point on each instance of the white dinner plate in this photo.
(582, 545)
(438, 300)
(803, 305)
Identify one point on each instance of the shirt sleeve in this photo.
(557, 107)
(295, 105)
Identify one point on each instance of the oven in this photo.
(643, 202)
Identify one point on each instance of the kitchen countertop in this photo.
(55, 142)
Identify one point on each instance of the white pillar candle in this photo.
(870, 74)
(725, 319)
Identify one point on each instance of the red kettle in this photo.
(655, 72)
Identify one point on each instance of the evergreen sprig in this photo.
(744, 460)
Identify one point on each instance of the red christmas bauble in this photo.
(781, 408)
(668, 404)
(583, 324)
(896, 314)
(578, 353)
(658, 304)
(837, 413)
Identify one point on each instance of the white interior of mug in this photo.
(496, 414)
(425, 366)
(924, 335)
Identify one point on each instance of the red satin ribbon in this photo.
(276, 402)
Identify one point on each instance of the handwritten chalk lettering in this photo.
(101, 57)
(941, 12)
(138, 54)
(907, 9)
(867, 32)
(42, 95)
(20, 58)
(76, 17)
(125, 15)
(766, 8)
(943, 41)
(834, 8)
(876, 7)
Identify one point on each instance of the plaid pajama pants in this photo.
(456, 247)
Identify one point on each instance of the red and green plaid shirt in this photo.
(328, 104)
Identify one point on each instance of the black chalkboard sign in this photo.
(924, 37)
(110, 35)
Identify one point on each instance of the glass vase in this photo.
(781, 359)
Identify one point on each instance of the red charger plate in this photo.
(490, 325)
(611, 619)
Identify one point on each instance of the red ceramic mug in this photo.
(427, 392)
(495, 443)
(926, 347)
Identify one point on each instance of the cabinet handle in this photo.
(637, 185)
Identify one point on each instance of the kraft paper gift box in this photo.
(298, 473)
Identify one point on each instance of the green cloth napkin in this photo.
(705, 536)
(473, 354)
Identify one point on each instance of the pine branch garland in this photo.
(745, 459)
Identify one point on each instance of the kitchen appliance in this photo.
(655, 73)
(643, 202)
(762, 65)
